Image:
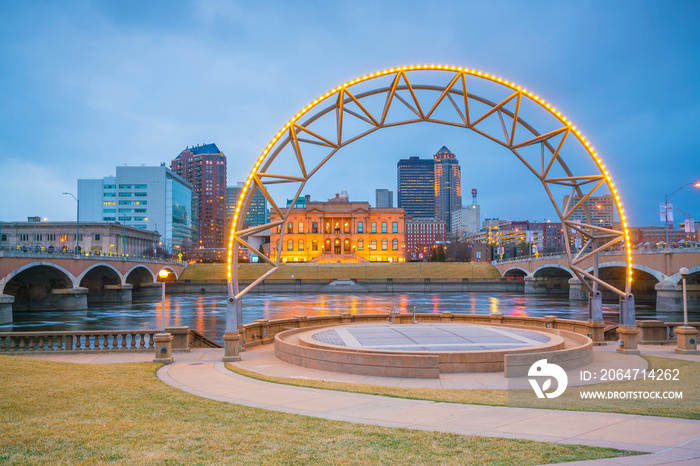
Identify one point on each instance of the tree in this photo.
(440, 254)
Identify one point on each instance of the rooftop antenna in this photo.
(474, 196)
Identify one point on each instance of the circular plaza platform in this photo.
(421, 350)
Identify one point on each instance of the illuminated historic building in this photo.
(448, 185)
(339, 231)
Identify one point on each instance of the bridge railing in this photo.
(58, 254)
(544, 257)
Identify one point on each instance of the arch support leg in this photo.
(628, 331)
(232, 338)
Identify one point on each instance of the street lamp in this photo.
(163, 274)
(684, 273)
(669, 196)
(77, 223)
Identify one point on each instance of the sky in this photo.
(89, 85)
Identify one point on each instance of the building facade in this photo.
(96, 238)
(384, 199)
(257, 210)
(415, 186)
(448, 185)
(204, 166)
(422, 234)
(600, 208)
(339, 231)
(148, 198)
(466, 221)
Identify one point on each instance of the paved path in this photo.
(201, 372)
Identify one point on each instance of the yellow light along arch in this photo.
(597, 238)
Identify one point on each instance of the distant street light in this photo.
(669, 196)
(77, 223)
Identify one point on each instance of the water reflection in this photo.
(207, 313)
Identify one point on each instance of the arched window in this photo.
(395, 244)
(385, 245)
(301, 245)
(346, 245)
(290, 245)
(360, 245)
(328, 245)
(314, 245)
(336, 248)
(373, 246)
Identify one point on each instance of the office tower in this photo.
(151, 198)
(257, 210)
(466, 221)
(448, 185)
(205, 167)
(600, 208)
(415, 185)
(384, 198)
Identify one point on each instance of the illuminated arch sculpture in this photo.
(400, 96)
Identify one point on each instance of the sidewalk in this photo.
(201, 372)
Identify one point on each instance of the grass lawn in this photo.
(412, 270)
(121, 413)
(687, 408)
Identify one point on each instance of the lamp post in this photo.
(163, 341)
(686, 335)
(669, 196)
(684, 273)
(77, 223)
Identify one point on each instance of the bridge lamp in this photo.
(163, 275)
(684, 273)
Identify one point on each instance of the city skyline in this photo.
(72, 114)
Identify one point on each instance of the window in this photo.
(300, 245)
(373, 245)
(109, 203)
(51, 237)
(395, 227)
(3, 238)
(360, 227)
(346, 228)
(346, 245)
(140, 202)
(140, 194)
(314, 245)
(124, 194)
(38, 237)
(109, 211)
(110, 195)
(290, 245)
(328, 227)
(139, 219)
(314, 228)
(336, 230)
(300, 227)
(24, 237)
(140, 210)
(360, 245)
(383, 227)
(290, 228)
(97, 236)
(110, 186)
(140, 186)
(124, 219)
(385, 245)
(373, 227)
(395, 244)
(109, 219)
(128, 211)
(279, 229)
(124, 186)
(328, 245)
(124, 202)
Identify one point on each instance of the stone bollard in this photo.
(687, 340)
(445, 316)
(496, 317)
(628, 340)
(164, 351)
(549, 321)
(232, 342)
(597, 333)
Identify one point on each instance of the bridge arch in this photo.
(138, 276)
(693, 277)
(559, 270)
(516, 272)
(5, 280)
(32, 284)
(93, 267)
(397, 96)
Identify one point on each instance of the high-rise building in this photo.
(205, 167)
(448, 185)
(384, 199)
(152, 198)
(466, 221)
(415, 185)
(600, 208)
(257, 210)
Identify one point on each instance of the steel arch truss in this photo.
(400, 96)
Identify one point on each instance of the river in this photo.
(207, 313)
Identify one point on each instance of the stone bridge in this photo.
(655, 275)
(41, 281)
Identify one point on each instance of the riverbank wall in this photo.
(387, 285)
